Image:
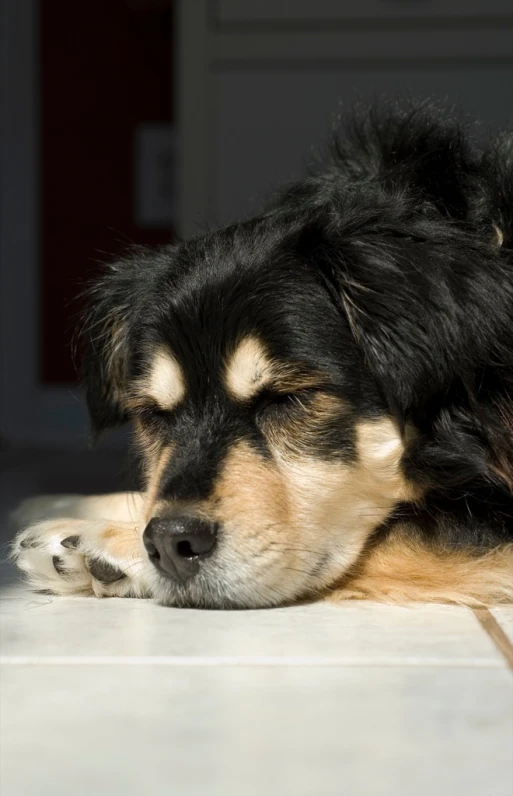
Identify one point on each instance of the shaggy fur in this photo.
(328, 386)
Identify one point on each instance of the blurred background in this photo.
(134, 121)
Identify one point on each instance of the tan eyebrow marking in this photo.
(164, 382)
(152, 487)
(248, 369)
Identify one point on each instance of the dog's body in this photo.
(322, 395)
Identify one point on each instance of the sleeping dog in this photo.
(321, 396)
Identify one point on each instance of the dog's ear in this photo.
(428, 307)
(105, 336)
(400, 226)
(406, 231)
(427, 301)
(432, 315)
(113, 306)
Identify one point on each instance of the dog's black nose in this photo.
(177, 545)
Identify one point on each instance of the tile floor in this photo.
(127, 697)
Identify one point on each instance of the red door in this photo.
(105, 68)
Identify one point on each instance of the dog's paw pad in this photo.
(104, 571)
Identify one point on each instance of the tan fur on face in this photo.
(248, 369)
(163, 384)
(280, 516)
(148, 444)
(380, 449)
(160, 462)
(244, 480)
(338, 505)
(301, 428)
(250, 501)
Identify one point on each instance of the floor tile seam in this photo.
(198, 661)
(496, 633)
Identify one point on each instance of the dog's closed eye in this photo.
(153, 416)
(269, 402)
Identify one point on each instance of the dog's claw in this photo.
(72, 542)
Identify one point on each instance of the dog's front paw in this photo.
(87, 557)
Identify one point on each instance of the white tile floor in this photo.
(126, 697)
(123, 696)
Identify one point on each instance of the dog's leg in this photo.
(123, 506)
(96, 549)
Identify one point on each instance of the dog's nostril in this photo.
(184, 549)
(197, 543)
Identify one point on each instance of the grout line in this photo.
(246, 660)
(494, 630)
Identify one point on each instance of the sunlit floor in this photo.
(127, 697)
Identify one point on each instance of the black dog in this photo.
(322, 395)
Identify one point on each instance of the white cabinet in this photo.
(269, 125)
(261, 82)
(290, 12)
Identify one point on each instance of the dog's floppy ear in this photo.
(401, 227)
(431, 315)
(428, 308)
(113, 306)
(105, 342)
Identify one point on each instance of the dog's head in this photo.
(284, 377)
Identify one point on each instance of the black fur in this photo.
(389, 272)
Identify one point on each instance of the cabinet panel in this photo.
(293, 11)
